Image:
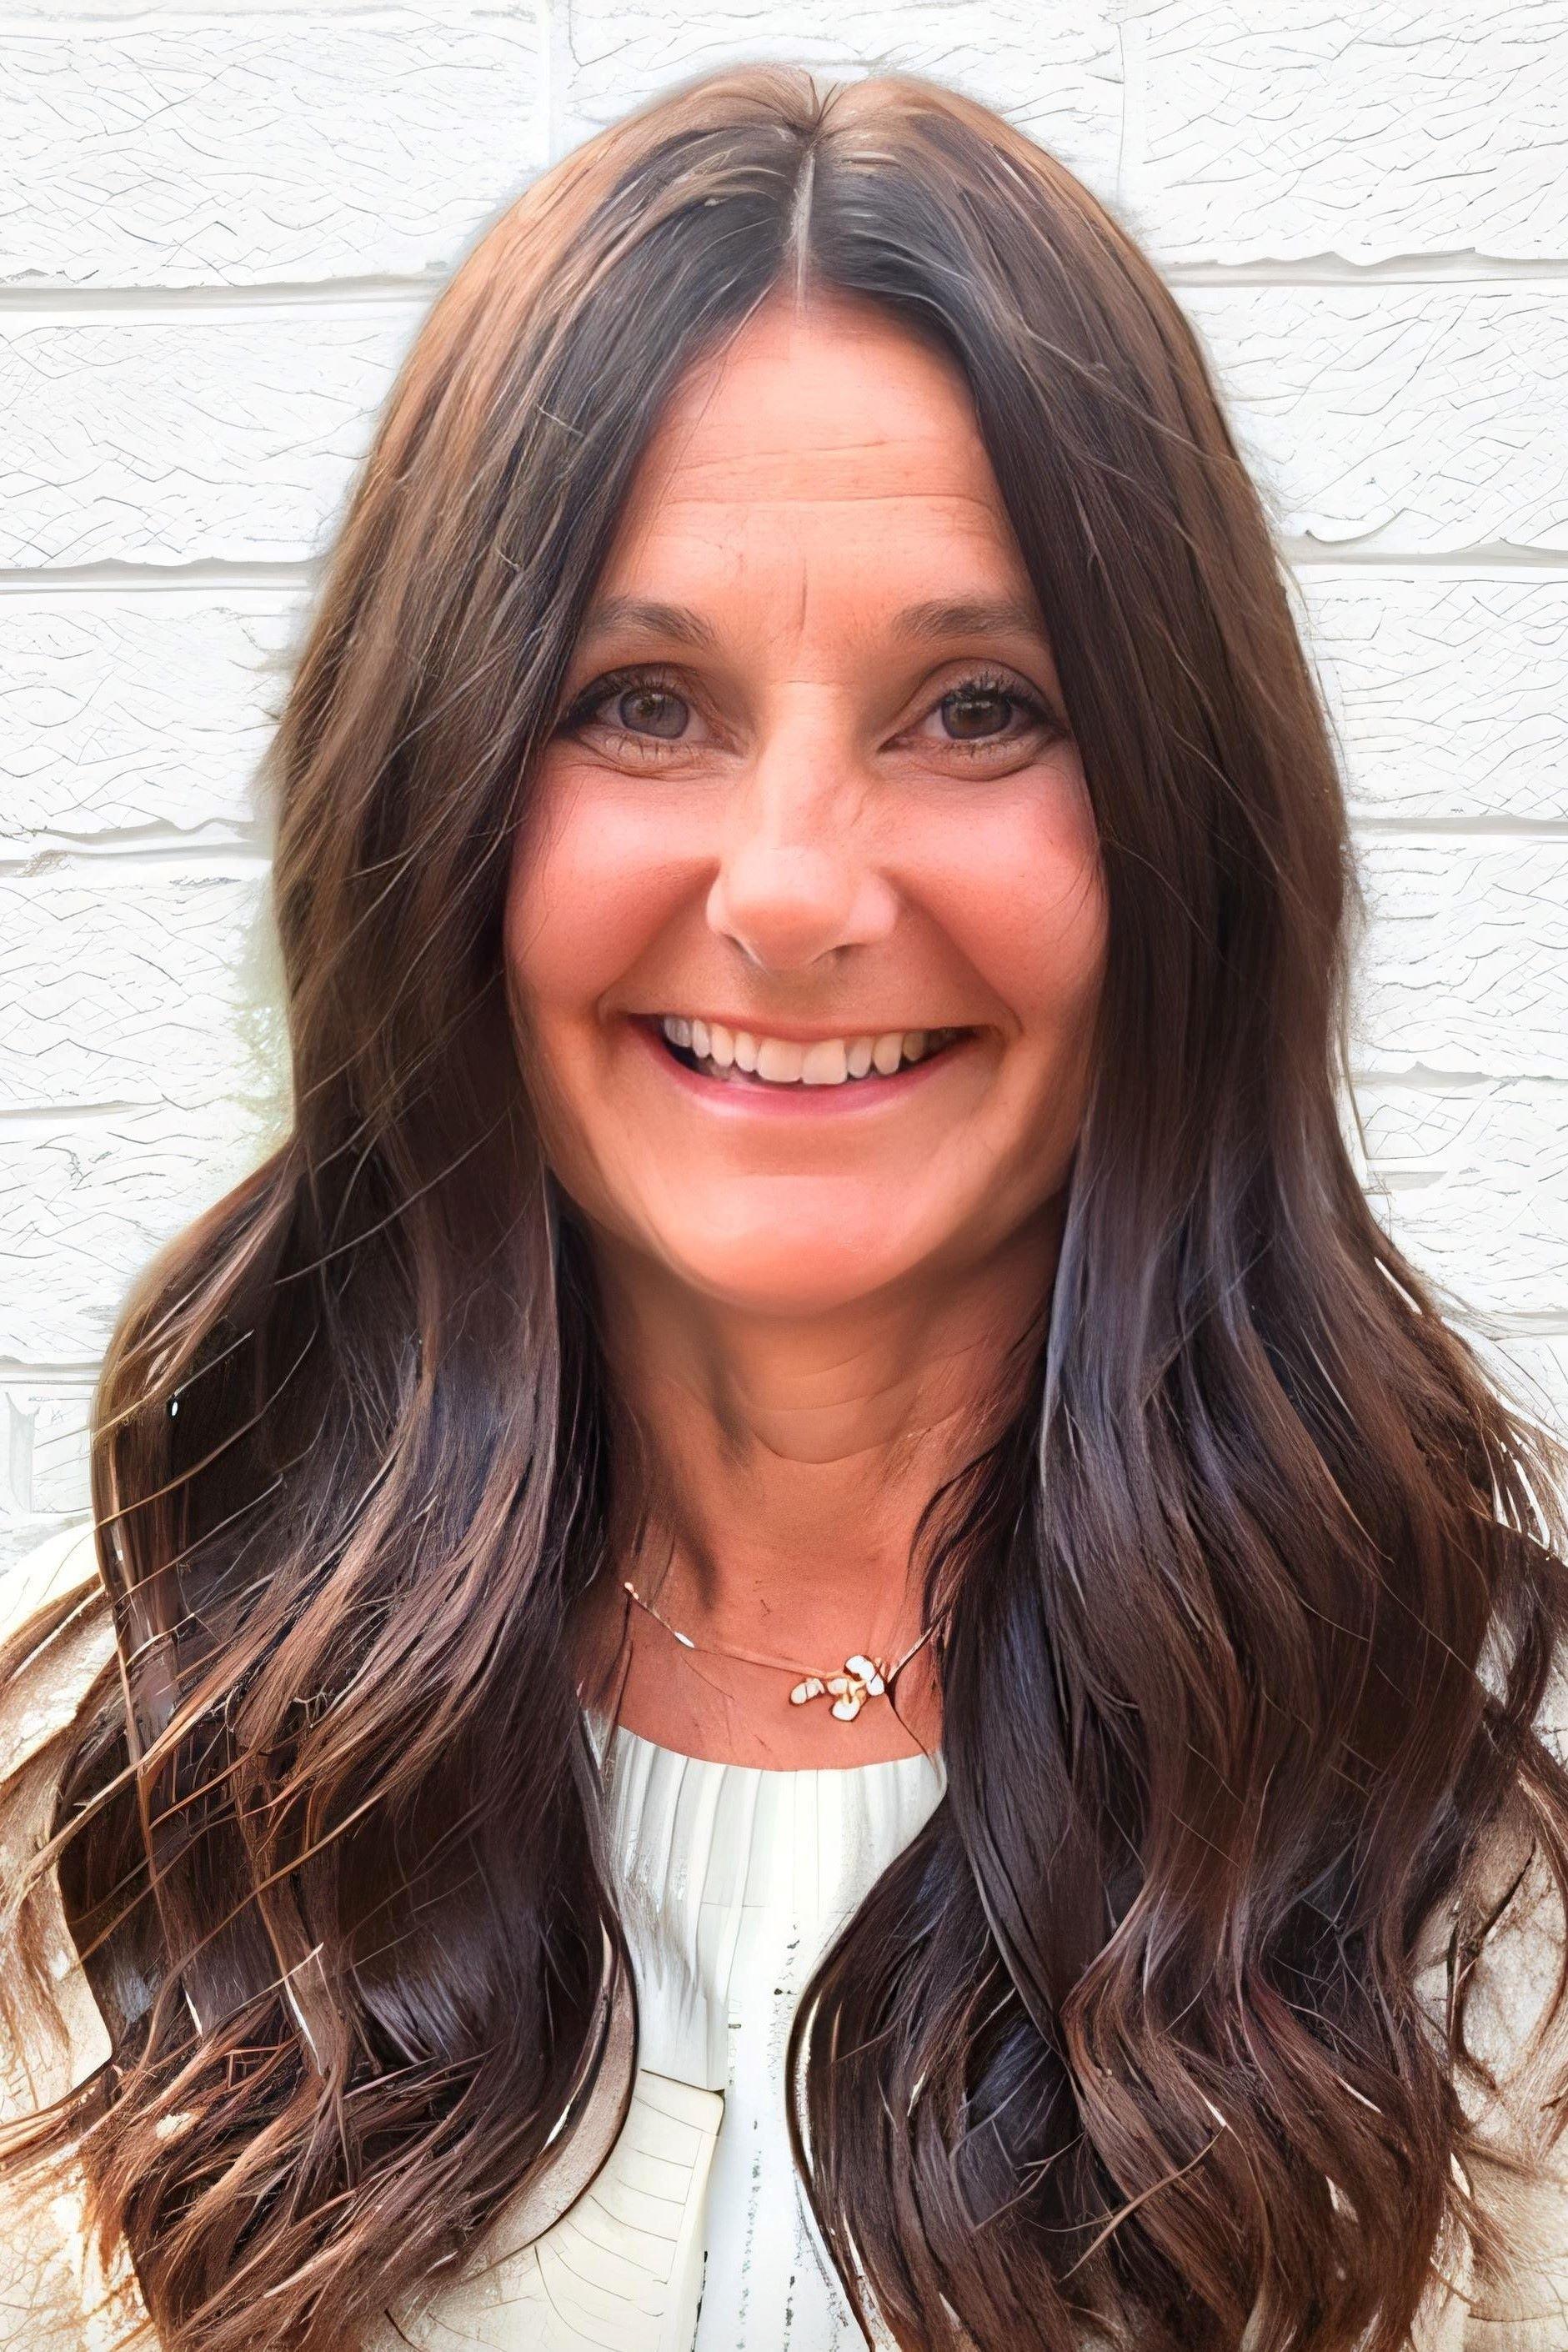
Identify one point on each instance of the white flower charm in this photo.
(861, 1679)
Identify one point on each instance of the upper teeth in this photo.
(826, 1062)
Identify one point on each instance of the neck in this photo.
(787, 1461)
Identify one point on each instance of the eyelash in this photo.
(984, 680)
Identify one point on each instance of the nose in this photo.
(796, 877)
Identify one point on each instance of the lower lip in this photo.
(757, 1098)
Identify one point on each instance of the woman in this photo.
(796, 1628)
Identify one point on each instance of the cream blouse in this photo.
(696, 2235)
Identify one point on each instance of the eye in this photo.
(635, 714)
(649, 711)
(975, 712)
(988, 712)
(633, 703)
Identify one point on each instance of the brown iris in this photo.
(961, 706)
(651, 710)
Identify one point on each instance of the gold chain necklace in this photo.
(861, 1677)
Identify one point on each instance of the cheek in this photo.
(591, 883)
(1022, 891)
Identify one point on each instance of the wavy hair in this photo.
(1249, 1614)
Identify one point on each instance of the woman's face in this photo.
(813, 802)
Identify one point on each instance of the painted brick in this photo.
(1056, 70)
(1475, 1178)
(122, 709)
(1396, 419)
(173, 437)
(1466, 964)
(137, 989)
(1534, 1374)
(1450, 695)
(43, 1449)
(84, 1204)
(1382, 129)
(268, 144)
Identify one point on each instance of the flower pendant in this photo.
(861, 1679)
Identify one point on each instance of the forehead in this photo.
(828, 433)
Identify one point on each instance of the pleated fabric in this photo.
(619, 2271)
(696, 2236)
(734, 1880)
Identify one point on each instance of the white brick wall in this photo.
(219, 227)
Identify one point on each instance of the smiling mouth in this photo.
(738, 1057)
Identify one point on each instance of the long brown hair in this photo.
(1251, 1609)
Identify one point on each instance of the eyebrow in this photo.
(938, 617)
(979, 617)
(676, 621)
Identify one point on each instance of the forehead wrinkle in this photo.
(925, 469)
(756, 447)
(803, 600)
(752, 465)
(744, 503)
(928, 621)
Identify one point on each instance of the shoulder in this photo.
(56, 1636)
(62, 1568)
(56, 1631)
(1498, 1945)
(1517, 2167)
(54, 1566)
(1501, 1944)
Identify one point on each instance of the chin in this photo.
(797, 1271)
